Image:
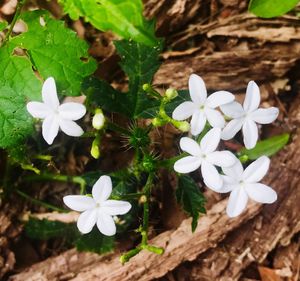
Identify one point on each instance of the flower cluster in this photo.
(242, 184)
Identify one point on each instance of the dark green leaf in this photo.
(271, 8)
(266, 147)
(190, 198)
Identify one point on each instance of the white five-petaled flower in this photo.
(247, 116)
(204, 155)
(97, 209)
(56, 116)
(202, 108)
(245, 184)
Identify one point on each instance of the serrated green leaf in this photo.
(271, 8)
(55, 50)
(190, 198)
(266, 147)
(3, 25)
(125, 17)
(95, 242)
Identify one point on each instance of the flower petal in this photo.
(115, 207)
(86, 221)
(190, 146)
(50, 129)
(219, 98)
(261, 193)
(235, 171)
(70, 128)
(72, 111)
(106, 224)
(184, 110)
(232, 128)
(265, 115)
(49, 93)
(256, 170)
(197, 89)
(214, 118)
(102, 189)
(250, 133)
(228, 185)
(252, 98)
(211, 177)
(221, 158)
(211, 140)
(187, 164)
(38, 109)
(233, 109)
(79, 203)
(237, 202)
(198, 122)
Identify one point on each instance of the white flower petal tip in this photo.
(97, 209)
(54, 115)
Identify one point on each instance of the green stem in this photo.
(130, 196)
(117, 128)
(15, 18)
(39, 202)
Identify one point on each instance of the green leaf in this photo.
(271, 8)
(125, 17)
(55, 50)
(3, 25)
(266, 147)
(95, 242)
(191, 199)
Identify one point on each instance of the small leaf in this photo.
(95, 242)
(271, 8)
(266, 147)
(190, 198)
(3, 25)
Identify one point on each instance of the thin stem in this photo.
(15, 18)
(39, 202)
(129, 196)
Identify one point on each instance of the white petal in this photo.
(184, 110)
(187, 164)
(102, 189)
(219, 98)
(261, 193)
(198, 122)
(50, 129)
(232, 128)
(214, 118)
(70, 128)
(256, 170)
(228, 185)
(265, 115)
(250, 133)
(190, 146)
(221, 158)
(252, 98)
(86, 221)
(72, 111)
(197, 89)
(211, 140)
(235, 171)
(38, 109)
(211, 177)
(49, 93)
(233, 109)
(115, 207)
(106, 224)
(237, 202)
(79, 203)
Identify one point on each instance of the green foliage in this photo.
(271, 8)
(95, 242)
(266, 147)
(190, 198)
(3, 25)
(124, 18)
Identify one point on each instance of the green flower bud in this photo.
(98, 119)
(95, 150)
(171, 93)
(146, 87)
(244, 158)
(157, 122)
(183, 126)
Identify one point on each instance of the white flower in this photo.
(247, 116)
(202, 108)
(97, 209)
(245, 184)
(204, 155)
(56, 116)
